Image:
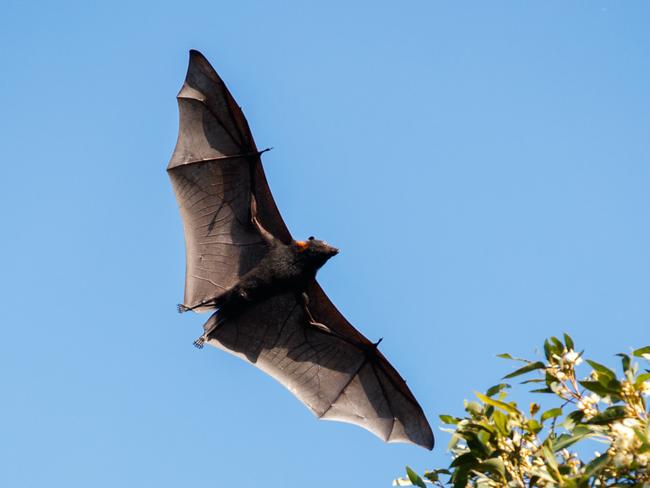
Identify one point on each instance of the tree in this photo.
(497, 444)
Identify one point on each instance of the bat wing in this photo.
(215, 168)
(338, 375)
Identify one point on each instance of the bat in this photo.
(243, 265)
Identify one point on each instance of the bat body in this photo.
(284, 268)
(243, 265)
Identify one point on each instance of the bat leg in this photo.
(213, 302)
(227, 304)
(184, 308)
(210, 326)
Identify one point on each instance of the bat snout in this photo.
(333, 251)
(324, 248)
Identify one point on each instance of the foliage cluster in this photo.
(498, 444)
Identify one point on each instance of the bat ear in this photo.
(311, 238)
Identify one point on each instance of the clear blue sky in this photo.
(484, 166)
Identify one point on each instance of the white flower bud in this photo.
(572, 357)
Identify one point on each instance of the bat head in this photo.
(317, 252)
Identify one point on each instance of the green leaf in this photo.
(501, 422)
(551, 462)
(596, 465)
(464, 459)
(568, 341)
(533, 426)
(477, 444)
(602, 371)
(474, 408)
(534, 380)
(548, 350)
(487, 428)
(558, 347)
(526, 369)
(608, 416)
(573, 419)
(493, 465)
(431, 476)
(448, 419)
(642, 378)
(566, 440)
(489, 411)
(552, 413)
(625, 361)
(585, 430)
(460, 477)
(543, 475)
(415, 478)
(542, 390)
(497, 403)
(599, 388)
(643, 352)
(496, 389)
(434, 475)
(505, 355)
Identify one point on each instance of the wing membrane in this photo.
(220, 243)
(336, 378)
(214, 170)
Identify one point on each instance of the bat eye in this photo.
(311, 238)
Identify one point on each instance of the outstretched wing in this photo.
(214, 170)
(339, 375)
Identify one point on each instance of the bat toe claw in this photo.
(181, 308)
(199, 343)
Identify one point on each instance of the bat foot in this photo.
(182, 308)
(199, 343)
